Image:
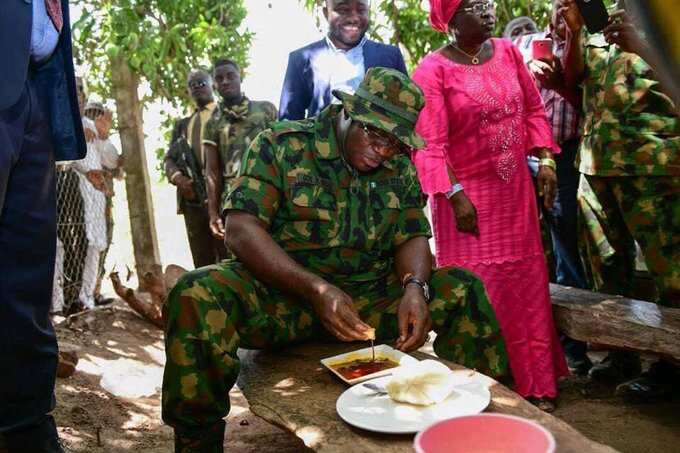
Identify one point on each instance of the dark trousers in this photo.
(562, 219)
(205, 249)
(28, 345)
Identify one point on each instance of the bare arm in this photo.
(413, 257)
(247, 237)
(574, 63)
(213, 185)
(249, 240)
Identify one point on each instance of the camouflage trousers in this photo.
(617, 211)
(214, 310)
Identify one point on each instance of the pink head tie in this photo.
(441, 12)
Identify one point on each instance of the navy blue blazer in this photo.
(305, 94)
(54, 79)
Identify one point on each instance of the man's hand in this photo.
(465, 212)
(414, 319)
(338, 315)
(90, 135)
(571, 14)
(103, 125)
(186, 188)
(548, 73)
(216, 226)
(96, 178)
(547, 185)
(621, 32)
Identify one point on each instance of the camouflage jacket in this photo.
(333, 220)
(630, 127)
(232, 131)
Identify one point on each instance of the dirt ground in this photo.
(112, 402)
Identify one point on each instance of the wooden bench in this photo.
(616, 321)
(292, 390)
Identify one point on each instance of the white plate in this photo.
(382, 351)
(362, 408)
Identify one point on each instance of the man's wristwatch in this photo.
(411, 279)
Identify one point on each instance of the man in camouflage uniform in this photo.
(630, 184)
(326, 220)
(184, 164)
(232, 128)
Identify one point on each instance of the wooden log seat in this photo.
(617, 321)
(291, 389)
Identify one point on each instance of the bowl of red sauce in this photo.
(358, 366)
(485, 433)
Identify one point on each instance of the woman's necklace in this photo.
(474, 59)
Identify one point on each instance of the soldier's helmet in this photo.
(389, 100)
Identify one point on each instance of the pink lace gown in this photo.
(482, 121)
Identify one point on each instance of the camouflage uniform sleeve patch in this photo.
(412, 220)
(257, 189)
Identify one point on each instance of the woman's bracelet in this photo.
(548, 162)
(458, 187)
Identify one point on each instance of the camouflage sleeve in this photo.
(412, 221)
(272, 114)
(211, 134)
(257, 188)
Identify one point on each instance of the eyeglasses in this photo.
(198, 84)
(479, 9)
(383, 144)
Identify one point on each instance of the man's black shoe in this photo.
(642, 390)
(100, 300)
(40, 438)
(658, 383)
(616, 367)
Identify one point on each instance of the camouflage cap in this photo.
(388, 100)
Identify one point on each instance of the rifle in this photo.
(184, 157)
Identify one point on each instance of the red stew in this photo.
(363, 367)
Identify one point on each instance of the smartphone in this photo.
(594, 14)
(541, 49)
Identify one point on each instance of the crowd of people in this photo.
(322, 211)
(310, 222)
(84, 213)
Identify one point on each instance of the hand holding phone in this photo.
(541, 49)
(594, 13)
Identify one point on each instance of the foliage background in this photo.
(161, 40)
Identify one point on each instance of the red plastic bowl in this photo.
(485, 433)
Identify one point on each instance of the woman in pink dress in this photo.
(483, 116)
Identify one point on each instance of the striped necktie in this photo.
(54, 10)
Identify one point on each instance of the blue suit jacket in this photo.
(305, 94)
(54, 79)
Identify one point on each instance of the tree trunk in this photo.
(144, 240)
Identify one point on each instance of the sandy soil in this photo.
(112, 402)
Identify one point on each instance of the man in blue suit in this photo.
(39, 122)
(339, 61)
